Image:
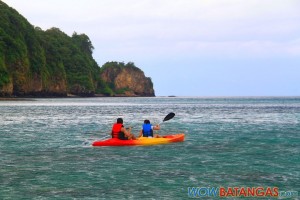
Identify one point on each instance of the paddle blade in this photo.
(169, 116)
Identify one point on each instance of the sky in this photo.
(188, 47)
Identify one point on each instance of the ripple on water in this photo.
(45, 147)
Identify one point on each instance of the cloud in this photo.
(169, 34)
(248, 48)
(233, 27)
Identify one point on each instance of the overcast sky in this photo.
(188, 47)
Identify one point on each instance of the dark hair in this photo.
(120, 121)
(147, 121)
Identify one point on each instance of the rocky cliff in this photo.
(127, 79)
(41, 63)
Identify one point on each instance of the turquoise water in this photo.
(45, 150)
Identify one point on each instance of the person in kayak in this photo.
(118, 131)
(147, 130)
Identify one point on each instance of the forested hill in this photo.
(41, 63)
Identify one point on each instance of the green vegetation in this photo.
(120, 65)
(51, 57)
(38, 62)
(111, 70)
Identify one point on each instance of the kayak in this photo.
(142, 141)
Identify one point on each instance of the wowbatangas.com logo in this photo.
(248, 192)
(233, 192)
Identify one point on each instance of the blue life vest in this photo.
(147, 130)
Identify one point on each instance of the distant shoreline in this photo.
(15, 99)
(32, 98)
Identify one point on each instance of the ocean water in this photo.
(46, 152)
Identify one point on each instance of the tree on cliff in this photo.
(83, 42)
(37, 62)
(51, 63)
(126, 79)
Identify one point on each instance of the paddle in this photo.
(169, 116)
(104, 137)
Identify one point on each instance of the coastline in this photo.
(69, 96)
(32, 98)
(15, 99)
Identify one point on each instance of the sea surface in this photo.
(46, 152)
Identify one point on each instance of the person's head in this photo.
(146, 121)
(120, 121)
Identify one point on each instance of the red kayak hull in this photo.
(141, 141)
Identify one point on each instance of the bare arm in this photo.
(126, 132)
(141, 133)
(156, 127)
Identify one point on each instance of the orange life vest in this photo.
(116, 129)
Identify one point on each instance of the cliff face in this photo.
(23, 66)
(41, 63)
(135, 81)
(127, 79)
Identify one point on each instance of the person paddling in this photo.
(147, 130)
(118, 131)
